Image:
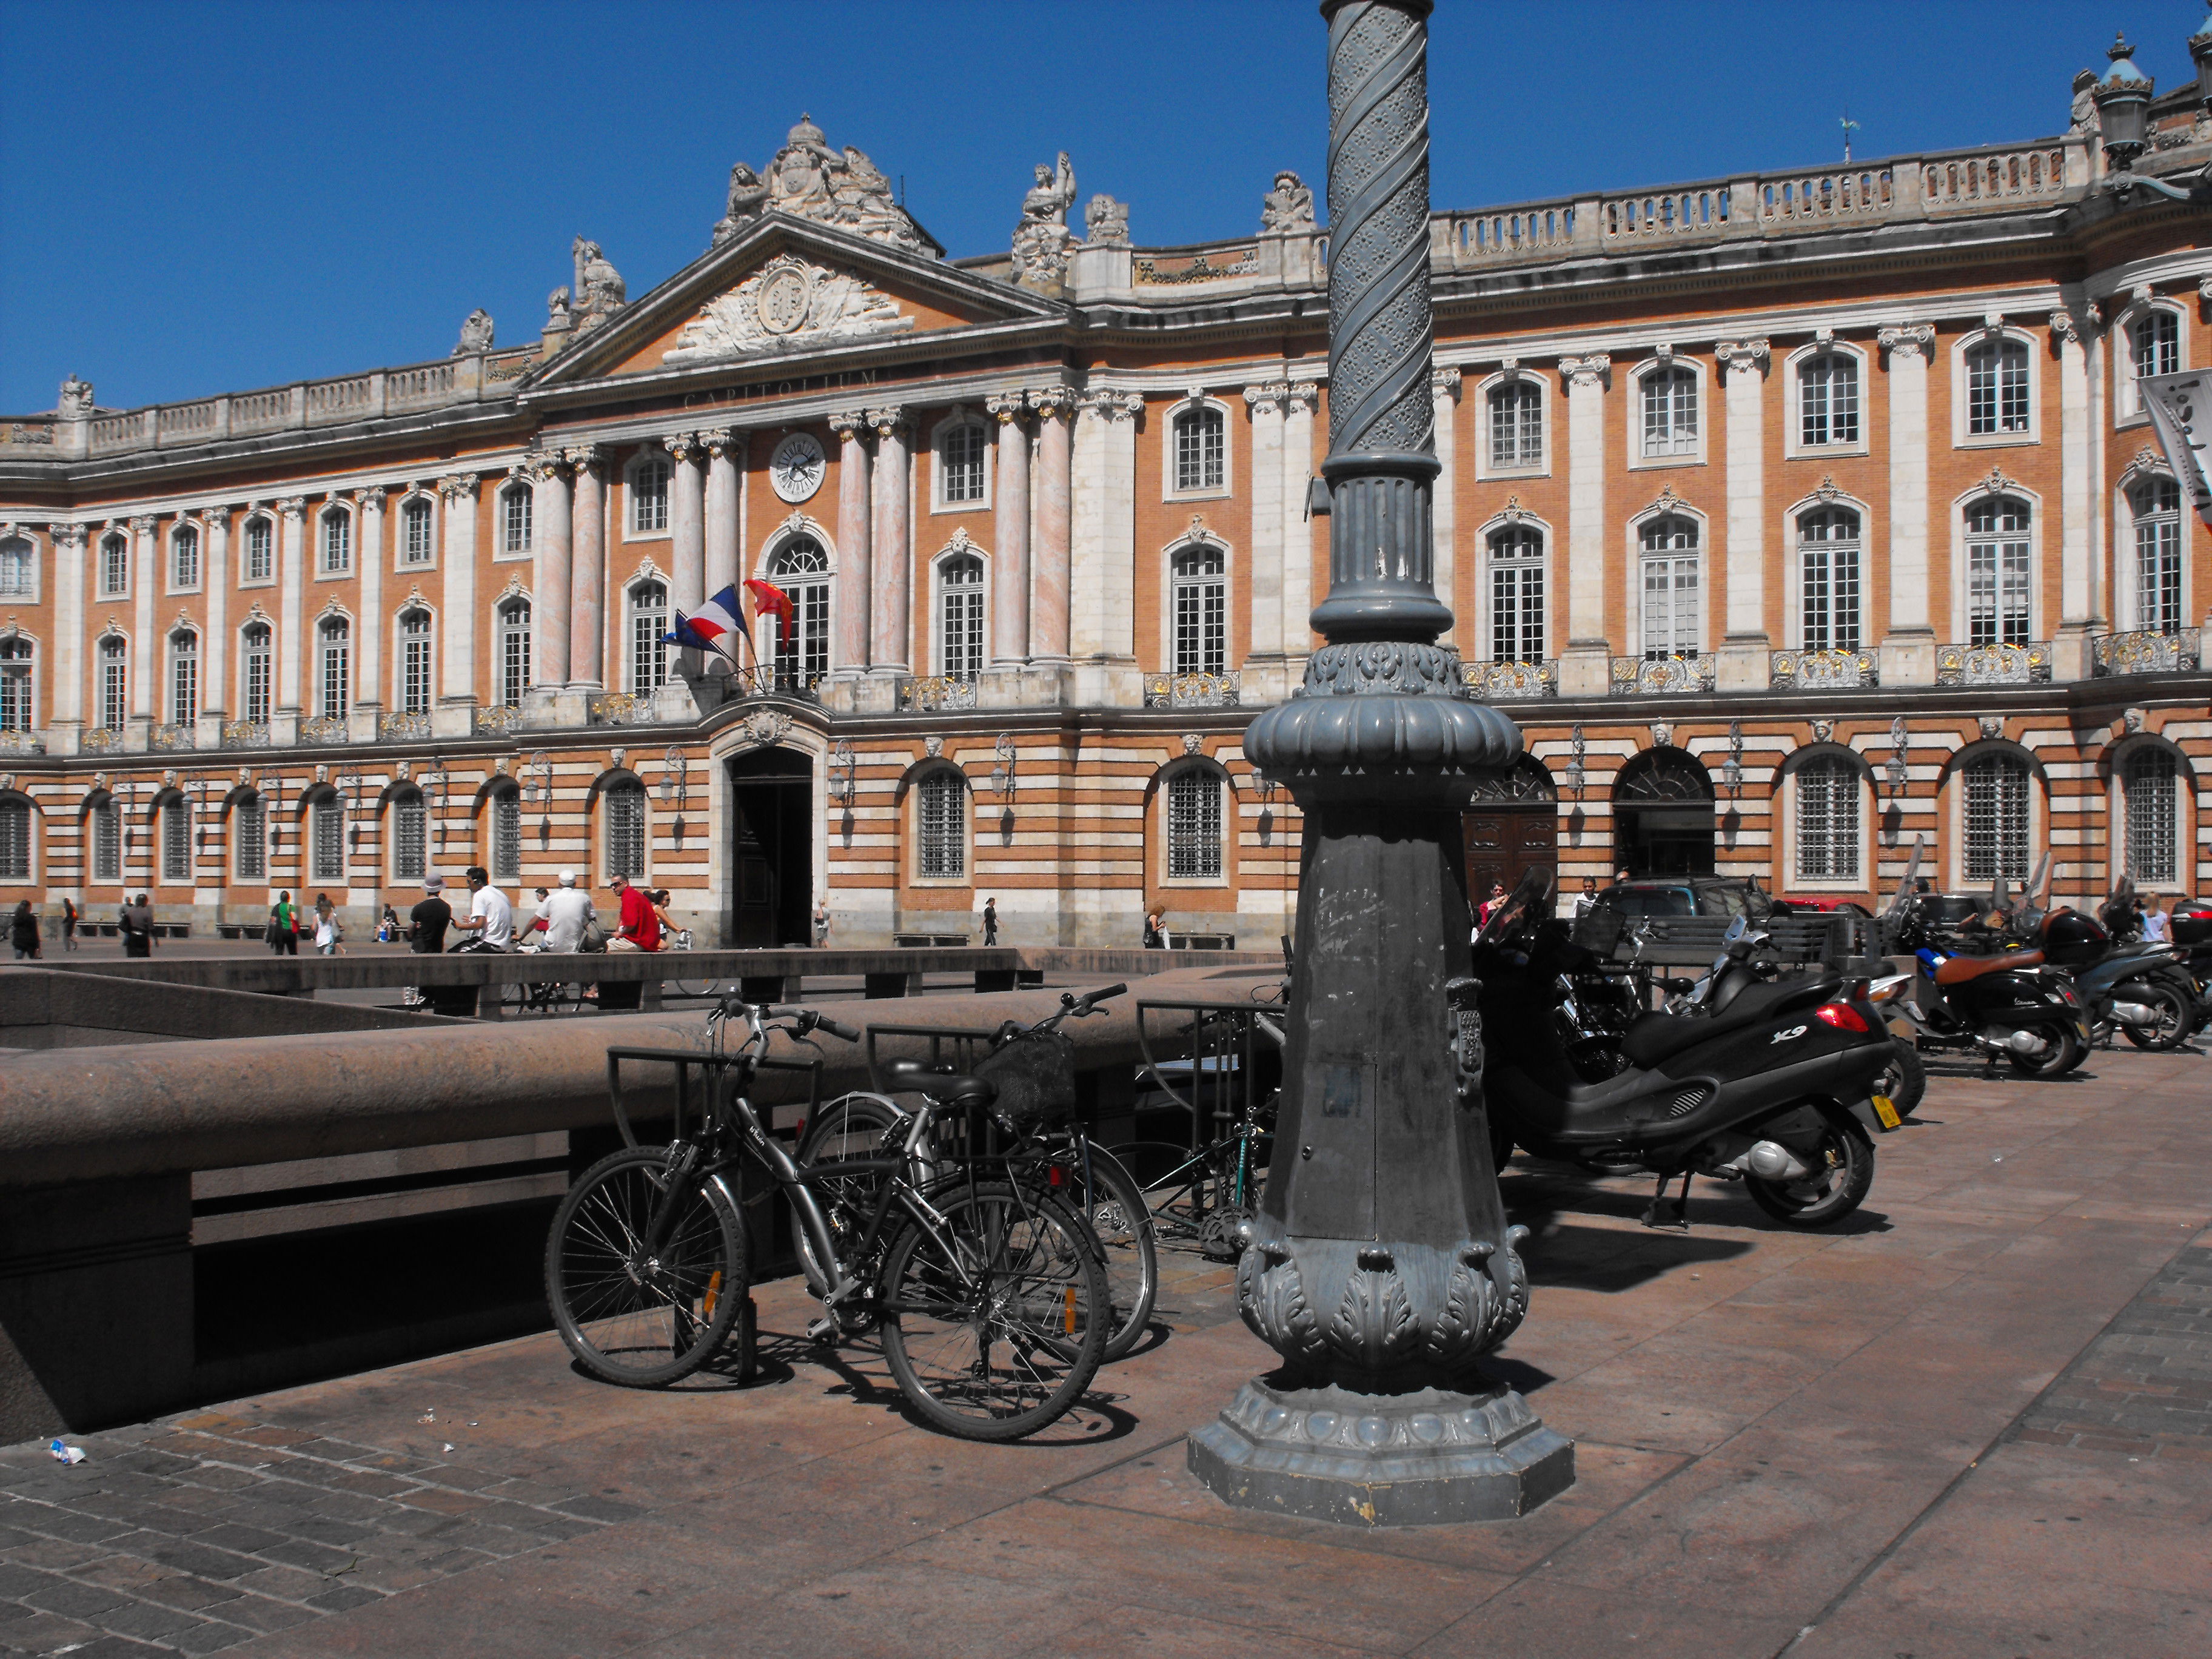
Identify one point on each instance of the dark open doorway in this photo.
(771, 848)
(1663, 815)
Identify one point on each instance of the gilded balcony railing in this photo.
(245, 734)
(1659, 677)
(2147, 651)
(1221, 690)
(1993, 665)
(934, 694)
(1511, 682)
(403, 727)
(323, 728)
(1823, 670)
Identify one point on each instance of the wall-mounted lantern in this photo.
(1895, 771)
(1732, 767)
(675, 779)
(1002, 767)
(1574, 775)
(844, 769)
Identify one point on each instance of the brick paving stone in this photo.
(47, 1632)
(192, 1594)
(311, 1557)
(233, 1536)
(284, 1584)
(211, 1638)
(67, 1596)
(346, 1596)
(145, 1620)
(201, 1561)
(2135, 1389)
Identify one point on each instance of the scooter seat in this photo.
(1958, 969)
(1655, 1037)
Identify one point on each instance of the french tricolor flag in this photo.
(715, 626)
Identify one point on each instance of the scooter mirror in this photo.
(1736, 930)
(1912, 874)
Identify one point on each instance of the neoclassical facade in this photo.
(1796, 517)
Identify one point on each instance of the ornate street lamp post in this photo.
(1380, 1266)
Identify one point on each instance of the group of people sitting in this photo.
(565, 920)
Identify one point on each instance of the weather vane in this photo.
(1849, 127)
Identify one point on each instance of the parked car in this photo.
(1690, 896)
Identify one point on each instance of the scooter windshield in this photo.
(1529, 903)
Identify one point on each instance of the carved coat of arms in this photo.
(787, 301)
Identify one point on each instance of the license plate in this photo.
(1885, 1110)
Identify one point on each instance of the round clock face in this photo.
(797, 467)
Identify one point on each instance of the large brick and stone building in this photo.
(1795, 516)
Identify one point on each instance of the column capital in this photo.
(1581, 373)
(1052, 401)
(1005, 407)
(1267, 394)
(1444, 383)
(583, 455)
(1111, 405)
(684, 446)
(849, 424)
(458, 487)
(145, 524)
(2065, 330)
(1908, 339)
(69, 536)
(718, 439)
(889, 421)
(372, 496)
(1301, 395)
(543, 466)
(1739, 356)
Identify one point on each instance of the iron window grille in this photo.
(1670, 589)
(1670, 413)
(1999, 600)
(1516, 596)
(411, 838)
(15, 664)
(944, 813)
(2154, 347)
(15, 840)
(16, 556)
(337, 542)
(255, 663)
(114, 683)
(1996, 819)
(961, 458)
(114, 567)
(106, 827)
(1202, 611)
(1996, 388)
(1828, 400)
(648, 650)
(185, 558)
(176, 844)
(514, 653)
(2157, 507)
(260, 550)
(184, 678)
(507, 836)
(2151, 785)
(960, 617)
(1201, 450)
(648, 497)
(1516, 425)
(1828, 793)
(414, 526)
(337, 669)
(326, 841)
(1194, 826)
(514, 527)
(801, 570)
(250, 820)
(626, 832)
(1828, 561)
(415, 662)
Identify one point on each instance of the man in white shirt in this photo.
(2156, 927)
(490, 917)
(565, 910)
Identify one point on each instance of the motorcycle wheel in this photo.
(1843, 1174)
(2064, 1053)
(2176, 1017)
(1905, 1079)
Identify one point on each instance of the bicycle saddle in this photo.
(903, 1075)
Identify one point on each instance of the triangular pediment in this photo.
(787, 288)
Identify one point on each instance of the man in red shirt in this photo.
(639, 928)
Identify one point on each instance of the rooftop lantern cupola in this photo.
(2123, 105)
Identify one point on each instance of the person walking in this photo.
(1156, 931)
(566, 911)
(329, 935)
(23, 932)
(283, 934)
(1587, 900)
(68, 924)
(490, 917)
(990, 921)
(2157, 924)
(820, 922)
(136, 924)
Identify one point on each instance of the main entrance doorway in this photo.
(1511, 826)
(1663, 815)
(771, 848)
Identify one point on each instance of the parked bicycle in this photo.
(988, 1293)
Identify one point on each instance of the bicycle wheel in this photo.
(513, 999)
(630, 1315)
(854, 1126)
(697, 987)
(1119, 1215)
(994, 1322)
(1178, 1185)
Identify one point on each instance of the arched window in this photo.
(514, 505)
(16, 665)
(115, 683)
(1996, 387)
(1828, 565)
(255, 660)
(337, 542)
(416, 546)
(960, 451)
(326, 837)
(1828, 399)
(1199, 576)
(625, 823)
(14, 838)
(184, 557)
(507, 833)
(260, 550)
(1200, 449)
(1828, 795)
(104, 829)
(648, 648)
(1671, 622)
(2154, 347)
(17, 568)
(411, 835)
(1516, 595)
(1194, 825)
(2152, 784)
(184, 677)
(336, 638)
(1996, 819)
(1670, 412)
(114, 567)
(1999, 607)
(513, 652)
(415, 661)
(801, 569)
(176, 814)
(1516, 425)
(2156, 504)
(960, 617)
(941, 808)
(648, 497)
(249, 826)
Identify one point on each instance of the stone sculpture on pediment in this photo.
(748, 199)
(1288, 208)
(76, 403)
(787, 302)
(475, 334)
(1106, 221)
(600, 292)
(1041, 240)
(810, 180)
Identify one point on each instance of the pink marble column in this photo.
(1055, 407)
(1010, 542)
(723, 447)
(891, 557)
(548, 576)
(849, 602)
(587, 586)
(687, 522)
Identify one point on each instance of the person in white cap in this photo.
(566, 911)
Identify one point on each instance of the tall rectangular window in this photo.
(1996, 819)
(15, 664)
(114, 567)
(409, 838)
(943, 823)
(515, 520)
(1670, 413)
(2157, 507)
(176, 844)
(1828, 794)
(1828, 400)
(1828, 559)
(1996, 388)
(1200, 449)
(254, 671)
(626, 833)
(18, 568)
(415, 662)
(514, 653)
(648, 497)
(114, 683)
(327, 845)
(184, 678)
(507, 836)
(1194, 826)
(1516, 425)
(960, 617)
(106, 827)
(338, 543)
(185, 558)
(1200, 575)
(2154, 347)
(961, 456)
(1999, 604)
(337, 670)
(250, 830)
(260, 550)
(2153, 781)
(1671, 620)
(15, 840)
(648, 644)
(1516, 596)
(414, 526)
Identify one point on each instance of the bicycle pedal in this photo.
(823, 1330)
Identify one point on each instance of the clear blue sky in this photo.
(201, 197)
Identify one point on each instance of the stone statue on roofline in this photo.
(600, 292)
(76, 403)
(1287, 210)
(475, 334)
(748, 197)
(808, 179)
(1106, 221)
(1041, 240)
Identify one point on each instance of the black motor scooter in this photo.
(1771, 1083)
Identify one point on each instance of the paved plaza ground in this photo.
(1976, 1420)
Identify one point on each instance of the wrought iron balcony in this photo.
(170, 737)
(934, 694)
(501, 721)
(323, 728)
(1511, 682)
(1192, 691)
(1660, 676)
(245, 734)
(2025, 663)
(617, 708)
(1823, 670)
(2147, 652)
(21, 743)
(403, 727)
(100, 739)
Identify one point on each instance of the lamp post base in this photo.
(1362, 1460)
